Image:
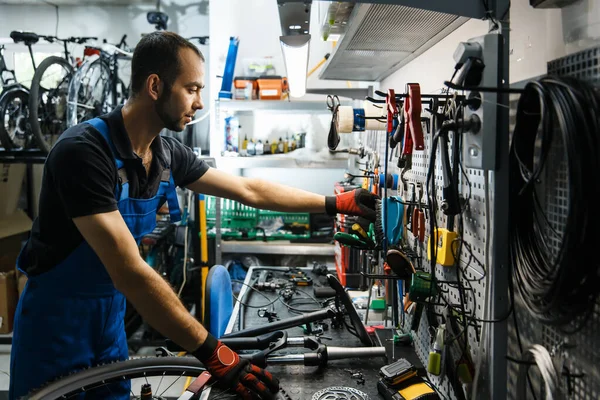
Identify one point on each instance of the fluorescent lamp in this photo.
(295, 54)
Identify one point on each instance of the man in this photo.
(103, 182)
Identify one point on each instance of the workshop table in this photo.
(301, 382)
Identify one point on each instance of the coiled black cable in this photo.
(559, 288)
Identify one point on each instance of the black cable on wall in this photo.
(561, 288)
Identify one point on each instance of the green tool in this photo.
(359, 238)
(351, 240)
(421, 286)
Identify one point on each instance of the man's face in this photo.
(176, 107)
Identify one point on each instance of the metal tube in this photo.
(339, 353)
(286, 359)
(295, 341)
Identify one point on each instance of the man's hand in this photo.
(358, 202)
(247, 380)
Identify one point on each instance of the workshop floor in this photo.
(173, 392)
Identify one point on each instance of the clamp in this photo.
(418, 217)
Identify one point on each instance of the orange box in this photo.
(245, 88)
(270, 87)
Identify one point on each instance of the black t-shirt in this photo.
(80, 177)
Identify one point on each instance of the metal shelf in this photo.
(281, 247)
(274, 161)
(273, 105)
(28, 156)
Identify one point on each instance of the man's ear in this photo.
(154, 86)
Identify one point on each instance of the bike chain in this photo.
(282, 395)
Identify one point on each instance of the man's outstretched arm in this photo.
(268, 195)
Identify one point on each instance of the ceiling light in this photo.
(295, 54)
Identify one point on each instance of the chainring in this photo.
(340, 393)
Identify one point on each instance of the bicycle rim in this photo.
(154, 369)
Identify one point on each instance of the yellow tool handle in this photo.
(203, 248)
(359, 229)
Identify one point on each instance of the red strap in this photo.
(416, 130)
(392, 110)
(407, 148)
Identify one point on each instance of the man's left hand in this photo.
(358, 202)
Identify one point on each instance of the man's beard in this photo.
(161, 106)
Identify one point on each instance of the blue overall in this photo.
(71, 317)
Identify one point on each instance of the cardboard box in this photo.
(11, 181)
(21, 281)
(14, 230)
(8, 300)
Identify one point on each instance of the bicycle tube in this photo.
(96, 377)
(34, 98)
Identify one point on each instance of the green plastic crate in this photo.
(239, 221)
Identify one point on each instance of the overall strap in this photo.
(122, 189)
(170, 190)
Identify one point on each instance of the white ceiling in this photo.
(76, 2)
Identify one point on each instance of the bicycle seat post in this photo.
(28, 44)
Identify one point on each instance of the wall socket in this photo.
(479, 148)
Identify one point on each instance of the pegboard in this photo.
(580, 352)
(476, 221)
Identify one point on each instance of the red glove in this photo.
(359, 202)
(247, 381)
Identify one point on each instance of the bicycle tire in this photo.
(97, 105)
(95, 377)
(6, 140)
(34, 96)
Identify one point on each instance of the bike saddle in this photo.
(28, 38)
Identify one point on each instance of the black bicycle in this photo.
(49, 89)
(15, 132)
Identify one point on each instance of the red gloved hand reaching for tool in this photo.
(247, 381)
(359, 202)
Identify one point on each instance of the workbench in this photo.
(300, 382)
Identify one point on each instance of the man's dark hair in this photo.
(158, 53)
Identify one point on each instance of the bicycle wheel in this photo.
(15, 132)
(48, 100)
(88, 92)
(98, 377)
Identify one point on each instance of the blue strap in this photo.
(172, 201)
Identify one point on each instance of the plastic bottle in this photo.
(231, 134)
(286, 145)
(267, 147)
(251, 148)
(259, 148)
(434, 364)
(244, 146)
(293, 143)
(274, 147)
(280, 146)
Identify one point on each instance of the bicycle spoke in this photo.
(168, 387)
(160, 383)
